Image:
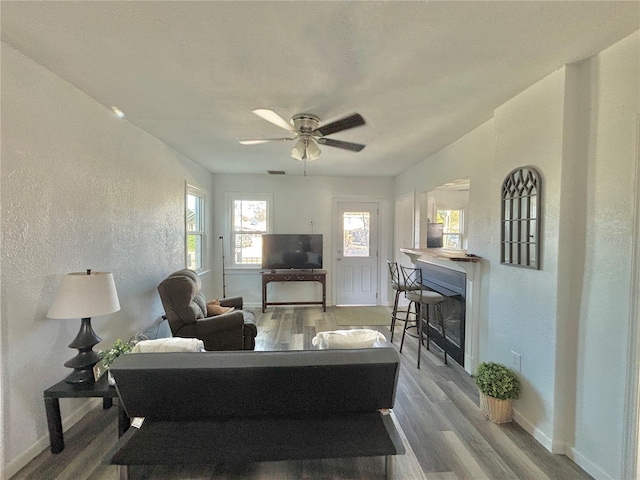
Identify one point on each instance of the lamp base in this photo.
(81, 377)
(86, 358)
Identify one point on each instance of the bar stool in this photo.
(419, 295)
(397, 283)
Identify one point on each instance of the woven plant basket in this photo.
(498, 411)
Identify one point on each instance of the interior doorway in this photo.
(356, 253)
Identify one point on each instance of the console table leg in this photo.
(54, 421)
(264, 296)
(324, 296)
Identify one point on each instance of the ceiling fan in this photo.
(305, 129)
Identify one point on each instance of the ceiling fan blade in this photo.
(345, 123)
(354, 147)
(273, 117)
(255, 141)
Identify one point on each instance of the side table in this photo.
(99, 389)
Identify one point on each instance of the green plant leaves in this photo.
(497, 381)
(119, 347)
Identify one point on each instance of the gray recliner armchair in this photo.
(186, 311)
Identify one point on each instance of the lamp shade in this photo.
(83, 295)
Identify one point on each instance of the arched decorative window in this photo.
(520, 232)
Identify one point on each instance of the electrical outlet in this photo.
(515, 361)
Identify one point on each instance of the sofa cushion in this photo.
(173, 344)
(258, 439)
(160, 386)
(355, 338)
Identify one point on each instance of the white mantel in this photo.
(472, 266)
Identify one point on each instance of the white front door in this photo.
(356, 244)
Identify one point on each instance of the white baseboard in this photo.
(560, 447)
(535, 432)
(587, 465)
(42, 443)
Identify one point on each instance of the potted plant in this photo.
(108, 356)
(498, 386)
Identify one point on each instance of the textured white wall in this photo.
(610, 159)
(80, 189)
(578, 126)
(522, 302)
(297, 201)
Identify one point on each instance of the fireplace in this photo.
(452, 285)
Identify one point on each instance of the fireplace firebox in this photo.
(452, 285)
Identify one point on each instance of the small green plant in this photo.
(119, 347)
(497, 381)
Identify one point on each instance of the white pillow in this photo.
(357, 338)
(173, 344)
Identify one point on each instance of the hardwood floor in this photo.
(445, 435)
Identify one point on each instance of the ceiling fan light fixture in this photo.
(313, 151)
(299, 149)
(306, 148)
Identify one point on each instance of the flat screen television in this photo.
(434, 235)
(290, 250)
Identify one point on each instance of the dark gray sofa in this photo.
(211, 407)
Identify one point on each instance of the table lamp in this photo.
(84, 295)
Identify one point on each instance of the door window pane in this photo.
(356, 227)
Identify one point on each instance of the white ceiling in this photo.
(422, 74)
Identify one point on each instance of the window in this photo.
(195, 228)
(520, 243)
(452, 231)
(356, 234)
(250, 219)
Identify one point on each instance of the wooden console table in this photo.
(294, 276)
